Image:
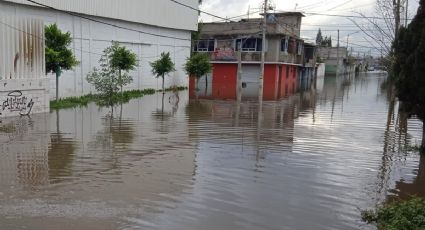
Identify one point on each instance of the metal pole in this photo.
(263, 52)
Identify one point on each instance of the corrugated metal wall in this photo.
(21, 48)
(163, 13)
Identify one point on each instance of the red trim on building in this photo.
(280, 80)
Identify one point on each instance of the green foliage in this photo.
(115, 64)
(319, 37)
(198, 65)
(326, 42)
(409, 67)
(58, 55)
(162, 66)
(121, 58)
(8, 128)
(404, 215)
(73, 102)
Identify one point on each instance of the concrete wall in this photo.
(91, 38)
(320, 72)
(24, 89)
(332, 52)
(162, 13)
(23, 96)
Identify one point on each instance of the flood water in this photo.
(314, 161)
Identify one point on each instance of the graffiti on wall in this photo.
(16, 102)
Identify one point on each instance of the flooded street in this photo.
(314, 161)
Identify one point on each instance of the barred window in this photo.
(205, 45)
(250, 44)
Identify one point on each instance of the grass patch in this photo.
(126, 96)
(9, 128)
(72, 102)
(401, 215)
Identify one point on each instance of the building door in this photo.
(250, 81)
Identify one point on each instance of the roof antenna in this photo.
(296, 5)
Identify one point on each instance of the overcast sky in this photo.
(310, 25)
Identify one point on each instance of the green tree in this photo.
(58, 55)
(197, 66)
(409, 67)
(319, 37)
(123, 60)
(113, 74)
(163, 66)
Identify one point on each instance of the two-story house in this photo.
(284, 55)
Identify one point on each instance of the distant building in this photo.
(147, 27)
(286, 55)
(336, 59)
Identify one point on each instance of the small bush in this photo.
(402, 215)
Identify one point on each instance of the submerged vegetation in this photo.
(403, 215)
(8, 128)
(82, 101)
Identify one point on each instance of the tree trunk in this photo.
(57, 85)
(162, 106)
(206, 85)
(120, 83)
(197, 87)
(423, 137)
(163, 88)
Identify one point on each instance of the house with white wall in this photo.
(147, 27)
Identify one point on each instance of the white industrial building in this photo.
(148, 27)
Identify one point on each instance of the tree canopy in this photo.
(115, 64)
(198, 65)
(409, 67)
(319, 37)
(162, 66)
(58, 55)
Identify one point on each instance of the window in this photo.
(292, 49)
(299, 48)
(250, 44)
(284, 43)
(205, 45)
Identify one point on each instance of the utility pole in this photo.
(407, 13)
(337, 55)
(397, 17)
(263, 52)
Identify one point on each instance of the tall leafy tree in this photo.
(123, 60)
(409, 67)
(113, 74)
(58, 55)
(163, 66)
(197, 66)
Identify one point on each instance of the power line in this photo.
(350, 16)
(106, 23)
(198, 10)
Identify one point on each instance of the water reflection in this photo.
(332, 147)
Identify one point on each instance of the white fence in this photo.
(21, 48)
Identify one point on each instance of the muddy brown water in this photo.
(314, 161)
